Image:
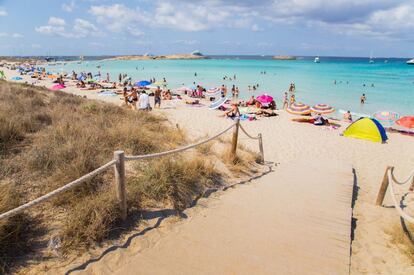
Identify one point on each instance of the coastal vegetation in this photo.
(48, 139)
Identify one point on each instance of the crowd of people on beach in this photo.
(138, 97)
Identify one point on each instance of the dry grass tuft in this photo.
(404, 239)
(174, 181)
(90, 221)
(14, 231)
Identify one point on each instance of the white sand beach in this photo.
(296, 151)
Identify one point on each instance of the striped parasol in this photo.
(213, 91)
(386, 116)
(299, 109)
(322, 109)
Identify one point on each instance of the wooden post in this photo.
(235, 138)
(412, 184)
(384, 186)
(261, 148)
(120, 182)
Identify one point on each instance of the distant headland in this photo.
(284, 57)
(194, 55)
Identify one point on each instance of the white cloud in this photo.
(12, 35)
(68, 7)
(255, 28)
(3, 12)
(119, 18)
(56, 21)
(51, 30)
(179, 15)
(81, 28)
(186, 42)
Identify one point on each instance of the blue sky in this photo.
(295, 27)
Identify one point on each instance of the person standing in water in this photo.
(363, 99)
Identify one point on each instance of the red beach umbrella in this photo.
(406, 122)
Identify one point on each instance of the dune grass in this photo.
(48, 139)
(404, 239)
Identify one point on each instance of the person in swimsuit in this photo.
(285, 101)
(133, 98)
(363, 98)
(292, 99)
(233, 112)
(157, 97)
(348, 117)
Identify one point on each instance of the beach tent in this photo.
(368, 129)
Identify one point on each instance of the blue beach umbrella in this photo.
(16, 78)
(142, 83)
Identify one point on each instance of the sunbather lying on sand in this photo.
(266, 112)
(192, 102)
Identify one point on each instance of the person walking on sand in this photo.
(363, 99)
(143, 102)
(223, 90)
(157, 97)
(285, 101)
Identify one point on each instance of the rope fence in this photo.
(388, 181)
(119, 169)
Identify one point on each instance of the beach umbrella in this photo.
(142, 83)
(264, 99)
(406, 122)
(213, 91)
(299, 109)
(17, 78)
(322, 109)
(386, 116)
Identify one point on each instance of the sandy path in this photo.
(282, 223)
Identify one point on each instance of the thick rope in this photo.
(400, 182)
(247, 134)
(404, 215)
(178, 150)
(56, 192)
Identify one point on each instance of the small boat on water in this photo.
(410, 62)
(317, 60)
(371, 60)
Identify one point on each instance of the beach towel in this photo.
(107, 93)
(58, 87)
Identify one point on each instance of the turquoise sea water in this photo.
(393, 81)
